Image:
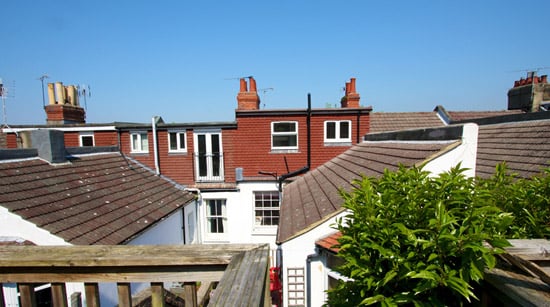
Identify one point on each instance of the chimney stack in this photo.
(248, 99)
(351, 98)
(529, 93)
(50, 145)
(63, 107)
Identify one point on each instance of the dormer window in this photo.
(139, 142)
(284, 135)
(177, 141)
(86, 139)
(338, 131)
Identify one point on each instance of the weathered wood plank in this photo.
(157, 294)
(26, 295)
(119, 255)
(124, 295)
(190, 293)
(59, 295)
(92, 294)
(105, 274)
(518, 289)
(244, 281)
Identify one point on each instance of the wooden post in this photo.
(190, 293)
(92, 294)
(157, 294)
(124, 294)
(59, 295)
(2, 302)
(76, 299)
(26, 293)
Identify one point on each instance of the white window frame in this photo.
(85, 134)
(212, 158)
(337, 138)
(215, 236)
(258, 220)
(179, 146)
(139, 135)
(284, 133)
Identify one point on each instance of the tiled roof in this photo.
(94, 199)
(524, 146)
(314, 197)
(329, 242)
(461, 116)
(396, 121)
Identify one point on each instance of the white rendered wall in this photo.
(12, 225)
(240, 225)
(166, 232)
(465, 154)
(295, 255)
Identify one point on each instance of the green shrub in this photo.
(416, 239)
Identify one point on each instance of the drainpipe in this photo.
(155, 145)
(306, 168)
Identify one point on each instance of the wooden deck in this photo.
(522, 278)
(239, 271)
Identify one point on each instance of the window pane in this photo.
(331, 130)
(182, 140)
(284, 127)
(144, 142)
(284, 141)
(173, 141)
(87, 140)
(135, 142)
(344, 130)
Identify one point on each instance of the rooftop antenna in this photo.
(265, 90)
(41, 78)
(4, 94)
(84, 91)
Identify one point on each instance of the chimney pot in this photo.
(253, 85)
(243, 86)
(544, 79)
(352, 85)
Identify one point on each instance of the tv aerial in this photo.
(41, 78)
(84, 91)
(5, 93)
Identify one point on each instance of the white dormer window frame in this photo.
(139, 142)
(177, 141)
(337, 132)
(284, 132)
(84, 139)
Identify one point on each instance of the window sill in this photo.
(143, 153)
(284, 151)
(334, 144)
(264, 230)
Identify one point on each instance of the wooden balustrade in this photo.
(239, 272)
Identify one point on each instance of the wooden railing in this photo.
(237, 273)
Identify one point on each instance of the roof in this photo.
(330, 242)
(439, 117)
(396, 121)
(91, 199)
(524, 146)
(314, 197)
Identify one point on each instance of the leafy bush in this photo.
(417, 239)
(528, 199)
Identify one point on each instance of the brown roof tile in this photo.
(314, 197)
(95, 199)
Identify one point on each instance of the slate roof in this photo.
(396, 121)
(93, 199)
(524, 146)
(439, 117)
(314, 197)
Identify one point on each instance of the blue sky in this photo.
(177, 59)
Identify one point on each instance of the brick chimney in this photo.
(351, 99)
(248, 99)
(63, 107)
(529, 93)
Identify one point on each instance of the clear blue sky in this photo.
(176, 58)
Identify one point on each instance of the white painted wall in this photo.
(12, 225)
(465, 154)
(241, 226)
(295, 254)
(166, 232)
